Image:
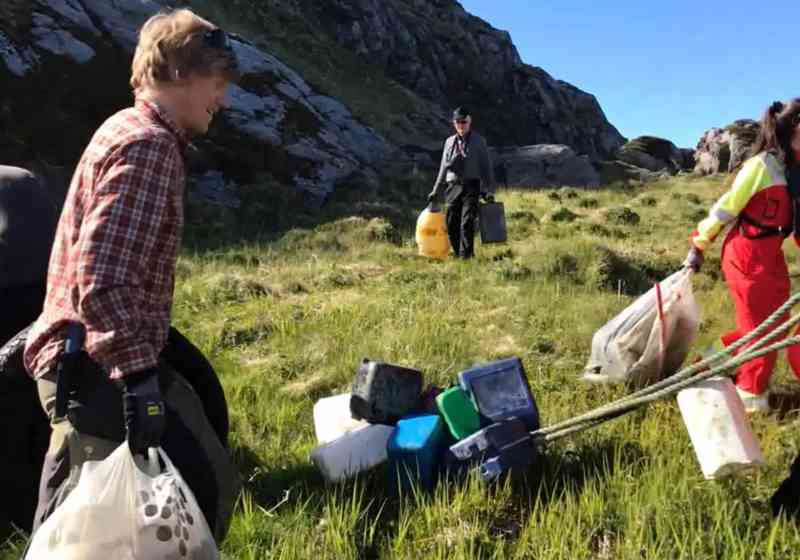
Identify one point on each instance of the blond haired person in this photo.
(112, 270)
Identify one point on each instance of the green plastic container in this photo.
(458, 412)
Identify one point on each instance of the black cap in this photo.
(461, 113)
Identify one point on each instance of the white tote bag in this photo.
(119, 511)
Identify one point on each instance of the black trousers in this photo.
(462, 211)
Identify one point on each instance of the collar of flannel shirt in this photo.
(163, 116)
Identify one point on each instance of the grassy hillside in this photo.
(287, 316)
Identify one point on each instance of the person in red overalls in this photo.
(758, 210)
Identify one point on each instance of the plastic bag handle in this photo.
(663, 348)
(168, 466)
(150, 463)
(153, 467)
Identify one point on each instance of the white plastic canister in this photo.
(719, 428)
(352, 453)
(332, 418)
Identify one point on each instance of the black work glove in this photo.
(143, 409)
(694, 259)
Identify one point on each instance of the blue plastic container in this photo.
(500, 391)
(414, 450)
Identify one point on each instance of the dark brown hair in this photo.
(777, 128)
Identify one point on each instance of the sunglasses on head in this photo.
(217, 39)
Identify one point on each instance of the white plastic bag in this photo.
(650, 339)
(117, 511)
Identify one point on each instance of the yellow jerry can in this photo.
(431, 235)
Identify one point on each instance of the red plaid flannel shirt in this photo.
(112, 266)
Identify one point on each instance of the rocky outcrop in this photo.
(743, 134)
(722, 150)
(713, 152)
(441, 52)
(64, 66)
(543, 165)
(616, 171)
(653, 154)
(688, 158)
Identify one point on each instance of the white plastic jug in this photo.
(719, 428)
(352, 453)
(332, 418)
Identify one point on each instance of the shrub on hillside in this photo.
(379, 229)
(623, 215)
(568, 192)
(562, 266)
(563, 214)
(233, 335)
(695, 215)
(511, 270)
(227, 288)
(523, 216)
(614, 272)
(628, 274)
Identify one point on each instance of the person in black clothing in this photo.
(27, 226)
(465, 174)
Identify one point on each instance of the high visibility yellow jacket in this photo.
(758, 205)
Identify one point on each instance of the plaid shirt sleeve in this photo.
(118, 238)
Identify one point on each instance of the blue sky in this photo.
(672, 68)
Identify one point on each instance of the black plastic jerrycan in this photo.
(492, 222)
(382, 393)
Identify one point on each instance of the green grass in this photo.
(287, 316)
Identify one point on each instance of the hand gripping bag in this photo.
(121, 511)
(650, 339)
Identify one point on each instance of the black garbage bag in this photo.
(189, 361)
(786, 499)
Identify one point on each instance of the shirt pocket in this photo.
(771, 209)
